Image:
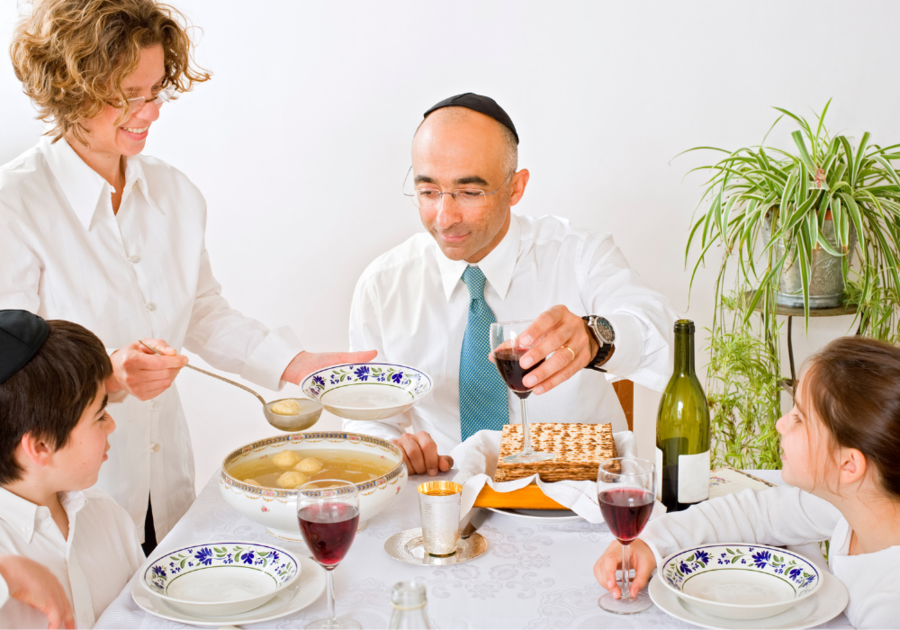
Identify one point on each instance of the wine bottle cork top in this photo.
(684, 325)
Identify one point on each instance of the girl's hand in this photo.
(32, 583)
(640, 558)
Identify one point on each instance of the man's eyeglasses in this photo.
(431, 197)
(136, 104)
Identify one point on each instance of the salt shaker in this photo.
(408, 600)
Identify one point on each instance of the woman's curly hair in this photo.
(73, 55)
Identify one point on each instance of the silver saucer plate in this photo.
(408, 547)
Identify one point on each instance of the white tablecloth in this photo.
(532, 576)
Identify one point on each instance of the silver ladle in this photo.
(310, 410)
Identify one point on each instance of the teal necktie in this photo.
(483, 398)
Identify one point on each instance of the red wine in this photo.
(329, 530)
(507, 362)
(626, 511)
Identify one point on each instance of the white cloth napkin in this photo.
(478, 457)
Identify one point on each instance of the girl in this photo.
(841, 445)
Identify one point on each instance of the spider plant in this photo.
(767, 211)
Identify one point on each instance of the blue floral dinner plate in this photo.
(740, 581)
(221, 578)
(367, 391)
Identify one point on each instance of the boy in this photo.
(60, 542)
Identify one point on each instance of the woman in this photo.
(93, 232)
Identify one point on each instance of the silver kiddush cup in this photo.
(439, 507)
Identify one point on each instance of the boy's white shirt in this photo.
(93, 565)
(789, 516)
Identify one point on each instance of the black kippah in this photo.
(21, 335)
(482, 104)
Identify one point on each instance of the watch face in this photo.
(604, 330)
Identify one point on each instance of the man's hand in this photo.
(556, 331)
(420, 454)
(307, 362)
(141, 373)
(32, 584)
(640, 558)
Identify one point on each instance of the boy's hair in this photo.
(855, 392)
(47, 397)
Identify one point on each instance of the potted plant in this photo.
(790, 222)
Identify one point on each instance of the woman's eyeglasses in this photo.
(136, 104)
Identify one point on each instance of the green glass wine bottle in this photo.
(682, 430)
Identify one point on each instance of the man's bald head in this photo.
(456, 148)
(445, 117)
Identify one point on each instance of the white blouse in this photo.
(411, 305)
(93, 565)
(789, 516)
(143, 272)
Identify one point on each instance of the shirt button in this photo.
(26, 529)
(151, 306)
(155, 405)
(155, 448)
(134, 258)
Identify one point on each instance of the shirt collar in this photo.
(497, 266)
(20, 514)
(82, 185)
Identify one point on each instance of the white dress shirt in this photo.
(411, 305)
(789, 516)
(93, 563)
(143, 272)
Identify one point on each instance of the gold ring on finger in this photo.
(570, 350)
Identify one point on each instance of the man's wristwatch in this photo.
(603, 332)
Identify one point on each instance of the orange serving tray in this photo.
(531, 497)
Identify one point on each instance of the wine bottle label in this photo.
(693, 478)
(659, 473)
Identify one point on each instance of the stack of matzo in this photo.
(579, 449)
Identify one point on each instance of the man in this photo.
(429, 302)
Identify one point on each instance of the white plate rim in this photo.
(550, 520)
(310, 570)
(828, 606)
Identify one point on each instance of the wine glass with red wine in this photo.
(328, 511)
(625, 489)
(508, 350)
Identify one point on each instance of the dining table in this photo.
(533, 575)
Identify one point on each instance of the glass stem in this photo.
(526, 430)
(330, 581)
(626, 584)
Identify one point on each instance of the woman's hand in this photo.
(141, 373)
(32, 583)
(640, 558)
(307, 362)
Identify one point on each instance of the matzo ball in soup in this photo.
(286, 460)
(349, 466)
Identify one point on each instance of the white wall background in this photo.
(301, 140)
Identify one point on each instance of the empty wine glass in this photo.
(328, 511)
(507, 350)
(626, 491)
